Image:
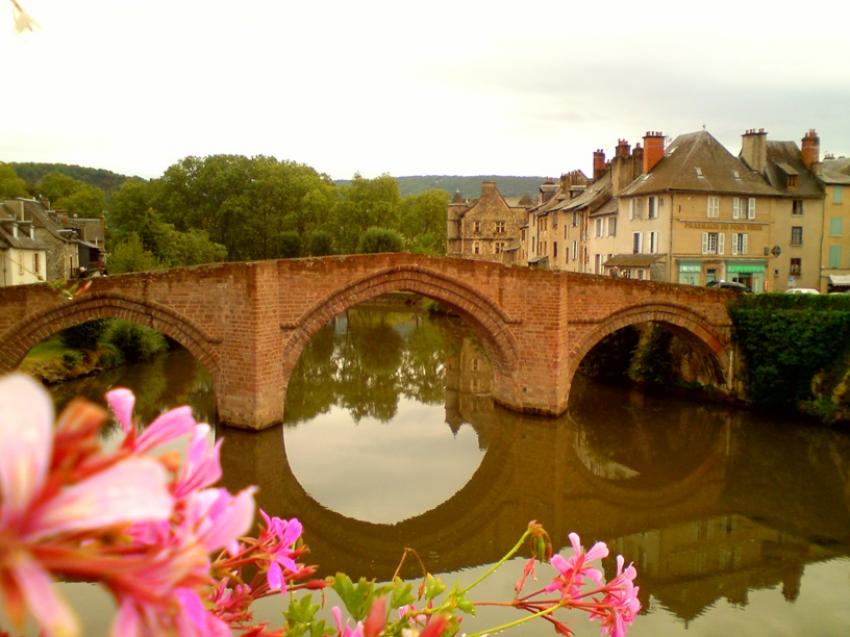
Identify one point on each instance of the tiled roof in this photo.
(698, 162)
(783, 159)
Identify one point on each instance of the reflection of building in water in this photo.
(689, 566)
(469, 386)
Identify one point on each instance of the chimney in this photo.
(488, 189)
(637, 155)
(458, 198)
(653, 150)
(623, 148)
(625, 166)
(598, 164)
(754, 149)
(810, 149)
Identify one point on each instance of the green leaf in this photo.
(358, 597)
(433, 586)
(301, 619)
(401, 593)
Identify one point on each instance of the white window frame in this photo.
(736, 207)
(751, 208)
(713, 207)
(740, 242)
(612, 227)
(720, 240)
(652, 212)
(639, 237)
(574, 251)
(653, 241)
(599, 227)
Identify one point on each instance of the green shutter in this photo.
(835, 226)
(836, 194)
(835, 256)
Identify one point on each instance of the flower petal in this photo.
(26, 442)
(50, 611)
(121, 402)
(134, 490)
(274, 576)
(168, 426)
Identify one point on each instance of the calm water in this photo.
(738, 525)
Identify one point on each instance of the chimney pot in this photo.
(653, 150)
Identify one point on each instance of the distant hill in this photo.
(106, 180)
(470, 187)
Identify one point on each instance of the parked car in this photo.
(801, 291)
(728, 285)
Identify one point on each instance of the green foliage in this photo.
(188, 248)
(653, 363)
(11, 185)
(289, 244)
(106, 180)
(131, 256)
(376, 240)
(320, 243)
(136, 342)
(301, 619)
(71, 359)
(423, 222)
(363, 204)
(786, 339)
(77, 197)
(85, 335)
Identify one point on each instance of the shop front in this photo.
(748, 273)
(689, 272)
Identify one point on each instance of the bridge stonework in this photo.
(249, 322)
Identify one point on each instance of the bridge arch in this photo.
(487, 319)
(684, 322)
(20, 338)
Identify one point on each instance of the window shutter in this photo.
(751, 208)
(705, 243)
(721, 239)
(736, 208)
(735, 236)
(744, 242)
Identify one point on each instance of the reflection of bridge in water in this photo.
(712, 515)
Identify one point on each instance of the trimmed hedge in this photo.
(786, 340)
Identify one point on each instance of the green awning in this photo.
(745, 267)
(690, 267)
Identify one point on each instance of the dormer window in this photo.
(32, 231)
(792, 181)
(699, 172)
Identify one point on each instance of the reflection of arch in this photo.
(20, 338)
(685, 321)
(444, 535)
(488, 320)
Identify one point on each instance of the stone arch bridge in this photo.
(249, 322)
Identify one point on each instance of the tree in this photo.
(380, 240)
(423, 222)
(77, 197)
(131, 256)
(320, 243)
(365, 203)
(11, 185)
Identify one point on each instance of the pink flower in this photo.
(574, 569)
(346, 630)
(202, 467)
(620, 606)
(34, 509)
(218, 519)
(121, 402)
(279, 537)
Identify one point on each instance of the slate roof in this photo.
(835, 171)
(697, 162)
(783, 159)
(595, 195)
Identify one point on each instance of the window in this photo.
(835, 226)
(739, 243)
(796, 267)
(640, 274)
(565, 232)
(498, 247)
(476, 226)
(836, 194)
(500, 227)
(555, 249)
(736, 208)
(599, 224)
(714, 206)
(575, 218)
(710, 275)
(834, 256)
(653, 242)
(712, 242)
(612, 227)
(522, 234)
(574, 251)
(792, 181)
(636, 243)
(476, 247)
(797, 207)
(796, 235)
(751, 208)
(20, 265)
(636, 208)
(652, 213)
(597, 264)
(35, 264)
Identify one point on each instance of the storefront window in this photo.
(689, 273)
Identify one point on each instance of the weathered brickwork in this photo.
(249, 322)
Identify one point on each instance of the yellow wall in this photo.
(836, 240)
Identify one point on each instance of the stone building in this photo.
(798, 219)
(61, 244)
(487, 228)
(23, 258)
(697, 214)
(834, 175)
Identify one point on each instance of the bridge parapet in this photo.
(249, 322)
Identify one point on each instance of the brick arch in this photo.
(683, 319)
(488, 320)
(20, 338)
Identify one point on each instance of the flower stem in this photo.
(516, 547)
(516, 622)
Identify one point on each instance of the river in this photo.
(738, 524)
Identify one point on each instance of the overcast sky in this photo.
(461, 87)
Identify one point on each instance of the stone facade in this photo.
(248, 323)
(485, 229)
